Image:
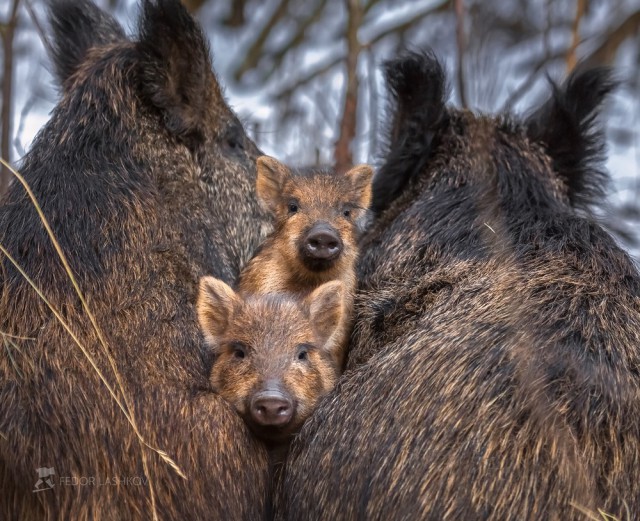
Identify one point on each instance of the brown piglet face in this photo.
(274, 355)
(318, 214)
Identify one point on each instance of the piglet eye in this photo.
(239, 350)
(293, 207)
(303, 352)
(347, 213)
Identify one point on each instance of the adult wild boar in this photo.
(147, 178)
(495, 365)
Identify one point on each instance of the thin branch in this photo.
(603, 55)
(38, 26)
(322, 105)
(572, 58)
(298, 38)
(303, 80)
(17, 142)
(524, 87)
(343, 156)
(255, 52)
(8, 34)
(193, 5)
(546, 35)
(368, 6)
(407, 24)
(236, 17)
(326, 67)
(606, 52)
(461, 48)
(8, 344)
(373, 105)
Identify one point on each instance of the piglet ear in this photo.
(566, 127)
(176, 69)
(216, 305)
(361, 176)
(271, 177)
(326, 309)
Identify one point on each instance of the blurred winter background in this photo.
(304, 74)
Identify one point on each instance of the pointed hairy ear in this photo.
(176, 73)
(565, 126)
(215, 306)
(326, 308)
(271, 177)
(417, 86)
(361, 176)
(76, 27)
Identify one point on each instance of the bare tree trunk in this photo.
(572, 58)
(8, 32)
(343, 155)
(461, 45)
(374, 100)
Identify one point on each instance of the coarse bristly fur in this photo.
(493, 372)
(319, 197)
(147, 179)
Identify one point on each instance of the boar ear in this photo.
(215, 306)
(418, 91)
(176, 72)
(76, 27)
(566, 127)
(361, 176)
(271, 177)
(326, 308)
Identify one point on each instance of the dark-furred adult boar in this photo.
(495, 365)
(147, 178)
